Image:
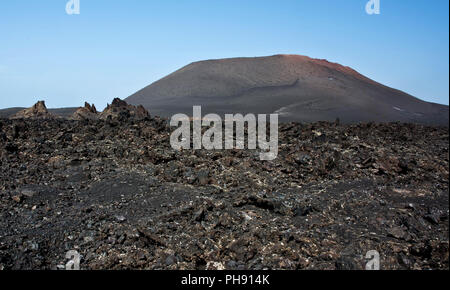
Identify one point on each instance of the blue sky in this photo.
(116, 47)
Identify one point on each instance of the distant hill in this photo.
(299, 88)
(62, 112)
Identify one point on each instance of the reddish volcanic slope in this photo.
(299, 88)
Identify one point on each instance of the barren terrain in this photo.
(119, 195)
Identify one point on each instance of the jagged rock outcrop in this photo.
(87, 112)
(37, 111)
(121, 110)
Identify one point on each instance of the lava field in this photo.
(118, 194)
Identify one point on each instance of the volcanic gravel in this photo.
(118, 194)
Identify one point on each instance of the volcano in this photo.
(298, 88)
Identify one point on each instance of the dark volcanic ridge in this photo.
(116, 192)
(118, 110)
(299, 88)
(59, 112)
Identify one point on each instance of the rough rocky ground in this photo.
(118, 194)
